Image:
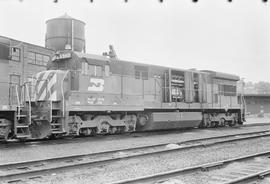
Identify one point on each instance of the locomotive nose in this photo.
(40, 129)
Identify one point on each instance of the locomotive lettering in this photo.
(96, 84)
(95, 100)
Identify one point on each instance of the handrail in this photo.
(18, 100)
(17, 95)
(49, 99)
(62, 92)
(29, 101)
(35, 95)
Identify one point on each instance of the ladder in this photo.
(23, 115)
(57, 118)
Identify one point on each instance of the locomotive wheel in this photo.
(232, 123)
(212, 124)
(112, 130)
(142, 120)
(104, 127)
(86, 131)
(4, 132)
(55, 136)
(120, 130)
(93, 131)
(222, 122)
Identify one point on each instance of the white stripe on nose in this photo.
(43, 82)
(53, 96)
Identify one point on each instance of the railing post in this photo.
(29, 101)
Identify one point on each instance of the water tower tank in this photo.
(63, 32)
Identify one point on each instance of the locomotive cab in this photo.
(83, 69)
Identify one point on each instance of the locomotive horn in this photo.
(40, 129)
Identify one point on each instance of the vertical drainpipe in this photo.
(212, 90)
(122, 86)
(170, 85)
(21, 56)
(155, 88)
(72, 34)
(23, 72)
(142, 88)
(165, 87)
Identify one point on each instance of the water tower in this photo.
(65, 32)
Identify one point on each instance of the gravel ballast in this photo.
(37, 151)
(159, 163)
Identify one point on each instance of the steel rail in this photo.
(173, 173)
(18, 142)
(254, 176)
(136, 148)
(41, 171)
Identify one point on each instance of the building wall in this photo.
(23, 61)
(257, 103)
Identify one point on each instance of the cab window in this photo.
(93, 70)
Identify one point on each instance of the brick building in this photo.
(257, 102)
(18, 62)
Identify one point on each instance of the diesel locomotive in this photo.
(86, 94)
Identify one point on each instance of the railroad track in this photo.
(250, 171)
(31, 169)
(19, 143)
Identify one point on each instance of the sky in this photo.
(207, 35)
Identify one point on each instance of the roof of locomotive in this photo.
(92, 56)
(221, 75)
(215, 74)
(100, 58)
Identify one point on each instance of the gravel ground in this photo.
(215, 176)
(256, 120)
(264, 181)
(37, 151)
(160, 163)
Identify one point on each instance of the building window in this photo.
(46, 59)
(38, 59)
(32, 57)
(31, 84)
(4, 51)
(15, 54)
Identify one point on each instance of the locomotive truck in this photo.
(86, 94)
